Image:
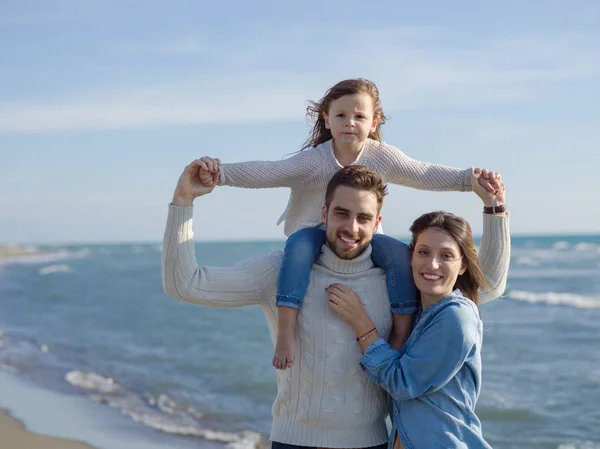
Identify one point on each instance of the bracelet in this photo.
(494, 209)
(366, 334)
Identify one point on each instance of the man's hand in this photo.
(496, 198)
(190, 186)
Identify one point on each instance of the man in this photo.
(324, 399)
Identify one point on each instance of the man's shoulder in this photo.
(272, 259)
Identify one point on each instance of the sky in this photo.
(103, 103)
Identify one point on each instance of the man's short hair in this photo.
(358, 177)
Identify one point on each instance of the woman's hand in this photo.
(347, 304)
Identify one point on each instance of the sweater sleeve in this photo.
(268, 174)
(429, 363)
(494, 255)
(244, 284)
(405, 171)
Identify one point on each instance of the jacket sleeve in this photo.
(494, 256)
(268, 174)
(246, 283)
(405, 171)
(431, 361)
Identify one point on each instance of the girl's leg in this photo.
(301, 250)
(394, 257)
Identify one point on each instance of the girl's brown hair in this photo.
(315, 109)
(459, 229)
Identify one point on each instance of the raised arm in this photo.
(494, 250)
(247, 283)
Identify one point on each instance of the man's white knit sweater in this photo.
(324, 400)
(307, 174)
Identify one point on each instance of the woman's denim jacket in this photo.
(435, 379)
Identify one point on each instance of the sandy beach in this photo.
(17, 251)
(15, 436)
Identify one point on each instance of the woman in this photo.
(435, 379)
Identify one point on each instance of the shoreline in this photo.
(15, 435)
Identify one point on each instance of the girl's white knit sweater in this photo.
(325, 399)
(308, 172)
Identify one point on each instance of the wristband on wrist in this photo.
(494, 209)
(366, 334)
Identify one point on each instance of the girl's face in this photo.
(436, 264)
(350, 118)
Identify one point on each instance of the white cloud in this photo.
(413, 68)
(180, 45)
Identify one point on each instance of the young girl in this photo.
(346, 131)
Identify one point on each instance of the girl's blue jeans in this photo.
(304, 246)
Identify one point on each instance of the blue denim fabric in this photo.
(304, 246)
(301, 250)
(276, 445)
(394, 257)
(434, 381)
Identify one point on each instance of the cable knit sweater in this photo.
(308, 172)
(325, 399)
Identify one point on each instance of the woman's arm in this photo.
(431, 360)
(494, 250)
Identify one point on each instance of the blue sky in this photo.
(102, 103)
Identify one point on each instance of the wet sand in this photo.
(13, 435)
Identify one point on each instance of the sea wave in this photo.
(184, 425)
(93, 381)
(57, 268)
(160, 412)
(46, 257)
(578, 246)
(527, 261)
(557, 299)
(580, 445)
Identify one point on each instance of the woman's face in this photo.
(436, 264)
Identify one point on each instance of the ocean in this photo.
(92, 322)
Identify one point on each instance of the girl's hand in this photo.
(208, 168)
(189, 185)
(346, 303)
(496, 198)
(488, 179)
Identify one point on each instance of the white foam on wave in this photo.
(168, 405)
(562, 245)
(57, 268)
(557, 299)
(93, 381)
(45, 257)
(527, 261)
(581, 445)
(9, 368)
(579, 246)
(158, 421)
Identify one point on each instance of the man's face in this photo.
(351, 219)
